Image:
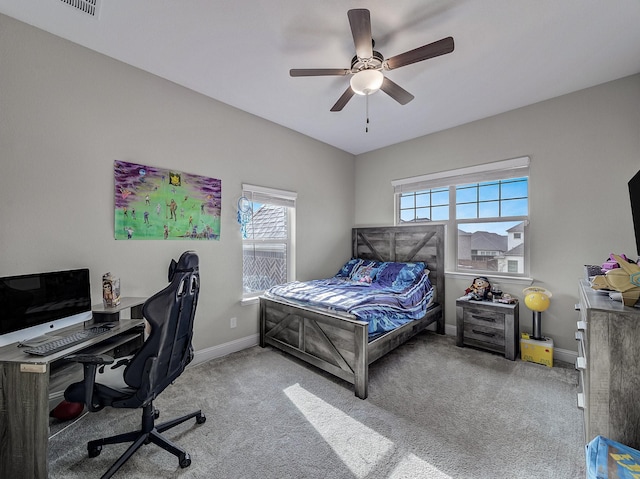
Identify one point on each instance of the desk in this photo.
(25, 383)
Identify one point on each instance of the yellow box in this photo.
(536, 351)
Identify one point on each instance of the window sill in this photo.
(249, 300)
(491, 277)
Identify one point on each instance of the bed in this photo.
(339, 342)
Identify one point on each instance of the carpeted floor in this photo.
(434, 411)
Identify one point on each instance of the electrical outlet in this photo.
(233, 323)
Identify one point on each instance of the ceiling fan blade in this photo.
(435, 49)
(315, 72)
(343, 100)
(360, 21)
(396, 92)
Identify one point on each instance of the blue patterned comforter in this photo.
(385, 306)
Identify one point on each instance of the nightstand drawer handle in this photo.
(484, 333)
(484, 318)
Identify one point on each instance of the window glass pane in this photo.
(490, 209)
(467, 211)
(423, 213)
(440, 213)
(268, 222)
(516, 188)
(491, 246)
(407, 200)
(423, 199)
(515, 208)
(466, 194)
(440, 197)
(263, 266)
(489, 191)
(407, 215)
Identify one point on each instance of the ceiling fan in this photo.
(367, 65)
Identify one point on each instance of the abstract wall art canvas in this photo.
(160, 204)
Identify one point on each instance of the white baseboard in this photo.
(234, 346)
(214, 352)
(564, 355)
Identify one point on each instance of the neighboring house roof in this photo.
(268, 221)
(485, 241)
(517, 251)
(517, 228)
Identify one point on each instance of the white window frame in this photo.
(265, 195)
(499, 170)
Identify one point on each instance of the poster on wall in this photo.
(159, 204)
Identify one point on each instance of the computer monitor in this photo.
(35, 304)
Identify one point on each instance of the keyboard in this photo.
(66, 342)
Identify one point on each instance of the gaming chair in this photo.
(137, 381)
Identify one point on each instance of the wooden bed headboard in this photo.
(404, 244)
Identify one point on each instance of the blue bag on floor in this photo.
(608, 459)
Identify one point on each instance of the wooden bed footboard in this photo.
(337, 342)
(334, 343)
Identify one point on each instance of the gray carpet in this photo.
(434, 411)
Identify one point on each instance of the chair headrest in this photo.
(187, 263)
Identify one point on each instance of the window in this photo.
(267, 238)
(486, 207)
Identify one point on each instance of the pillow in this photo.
(365, 272)
(400, 275)
(345, 271)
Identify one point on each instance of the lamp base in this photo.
(536, 351)
(537, 326)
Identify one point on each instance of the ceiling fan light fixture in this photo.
(366, 82)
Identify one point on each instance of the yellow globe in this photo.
(537, 301)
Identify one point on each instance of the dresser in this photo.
(609, 365)
(488, 325)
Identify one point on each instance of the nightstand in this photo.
(487, 325)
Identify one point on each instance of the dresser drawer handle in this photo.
(483, 333)
(484, 318)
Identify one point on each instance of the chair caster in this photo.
(184, 460)
(201, 419)
(156, 413)
(94, 451)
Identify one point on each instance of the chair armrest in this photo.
(90, 363)
(90, 358)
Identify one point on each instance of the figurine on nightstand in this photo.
(480, 289)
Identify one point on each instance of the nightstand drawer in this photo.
(483, 333)
(484, 317)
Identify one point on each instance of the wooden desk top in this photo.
(14, 354)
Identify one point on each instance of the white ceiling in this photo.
(508, 54)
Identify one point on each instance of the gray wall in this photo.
(584, 147)
(66, 113)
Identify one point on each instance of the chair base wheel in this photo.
(201, 419)
(184, 460)
(94, 451)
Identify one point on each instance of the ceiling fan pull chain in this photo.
(366, 127)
